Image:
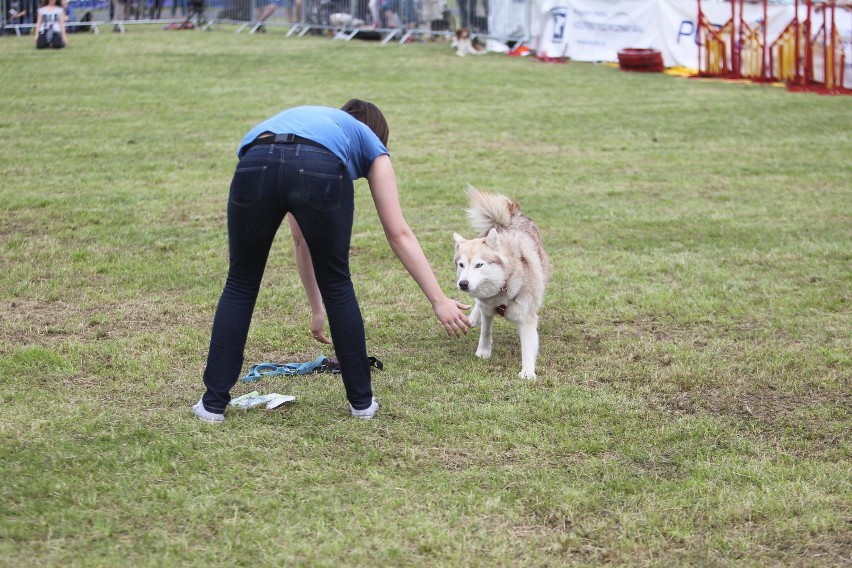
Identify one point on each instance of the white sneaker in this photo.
(366, 413)
(205, 416)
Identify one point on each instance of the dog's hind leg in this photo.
(483, 351)
(528, 330)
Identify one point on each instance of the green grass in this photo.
(693, 401)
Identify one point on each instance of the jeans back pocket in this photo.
(321, 191)
(247, 185)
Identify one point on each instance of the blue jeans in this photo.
(314, 186)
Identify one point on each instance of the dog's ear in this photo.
(458, 239)
(492, 239)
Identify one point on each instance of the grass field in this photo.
(694, 393)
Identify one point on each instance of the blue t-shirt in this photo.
(348, 138)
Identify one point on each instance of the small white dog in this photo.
(344, 20)
(505, 270)
(465, 45)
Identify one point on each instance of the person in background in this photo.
(156, 9)
(470, 17)
(71, 25)
(50, 25)
(175, 4)
(119, 11)
(294, 10)
(22, 12)
(301, 163)
(375, 8)
(431, 13)
(408, 14)
(390, 17)
(15, 14)
(265, 8)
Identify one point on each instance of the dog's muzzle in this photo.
(463, 285)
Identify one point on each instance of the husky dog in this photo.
(505, 270)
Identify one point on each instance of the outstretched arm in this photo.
(406, 247)
(309, 282)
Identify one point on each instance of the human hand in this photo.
(449, 313)
(318, 328)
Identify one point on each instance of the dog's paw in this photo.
(483, 353)
(529, 375)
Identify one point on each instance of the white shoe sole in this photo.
(205, 416)
(366, 413)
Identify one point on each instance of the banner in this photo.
(553, 42)
(597, 29)
(843, 19)
(678, 24)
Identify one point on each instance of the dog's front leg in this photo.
(474, 314)
(528, 330)
(483, 351)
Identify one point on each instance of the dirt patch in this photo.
(768, 405)
(809, 424)
(34, 322)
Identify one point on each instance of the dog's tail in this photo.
(490, 210)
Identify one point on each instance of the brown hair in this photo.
(369, 114)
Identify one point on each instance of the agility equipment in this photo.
(824, 57)
(807, 55)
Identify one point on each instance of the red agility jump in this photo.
(807, 55)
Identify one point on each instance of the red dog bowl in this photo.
(646, 60)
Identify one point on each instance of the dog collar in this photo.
(501, 309)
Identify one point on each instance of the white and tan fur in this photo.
(465, 45)
(505, 270)
(345, 21)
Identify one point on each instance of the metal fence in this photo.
(380, 20)
(86, 15)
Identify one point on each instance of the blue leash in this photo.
(321, 364)
(262, 370)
